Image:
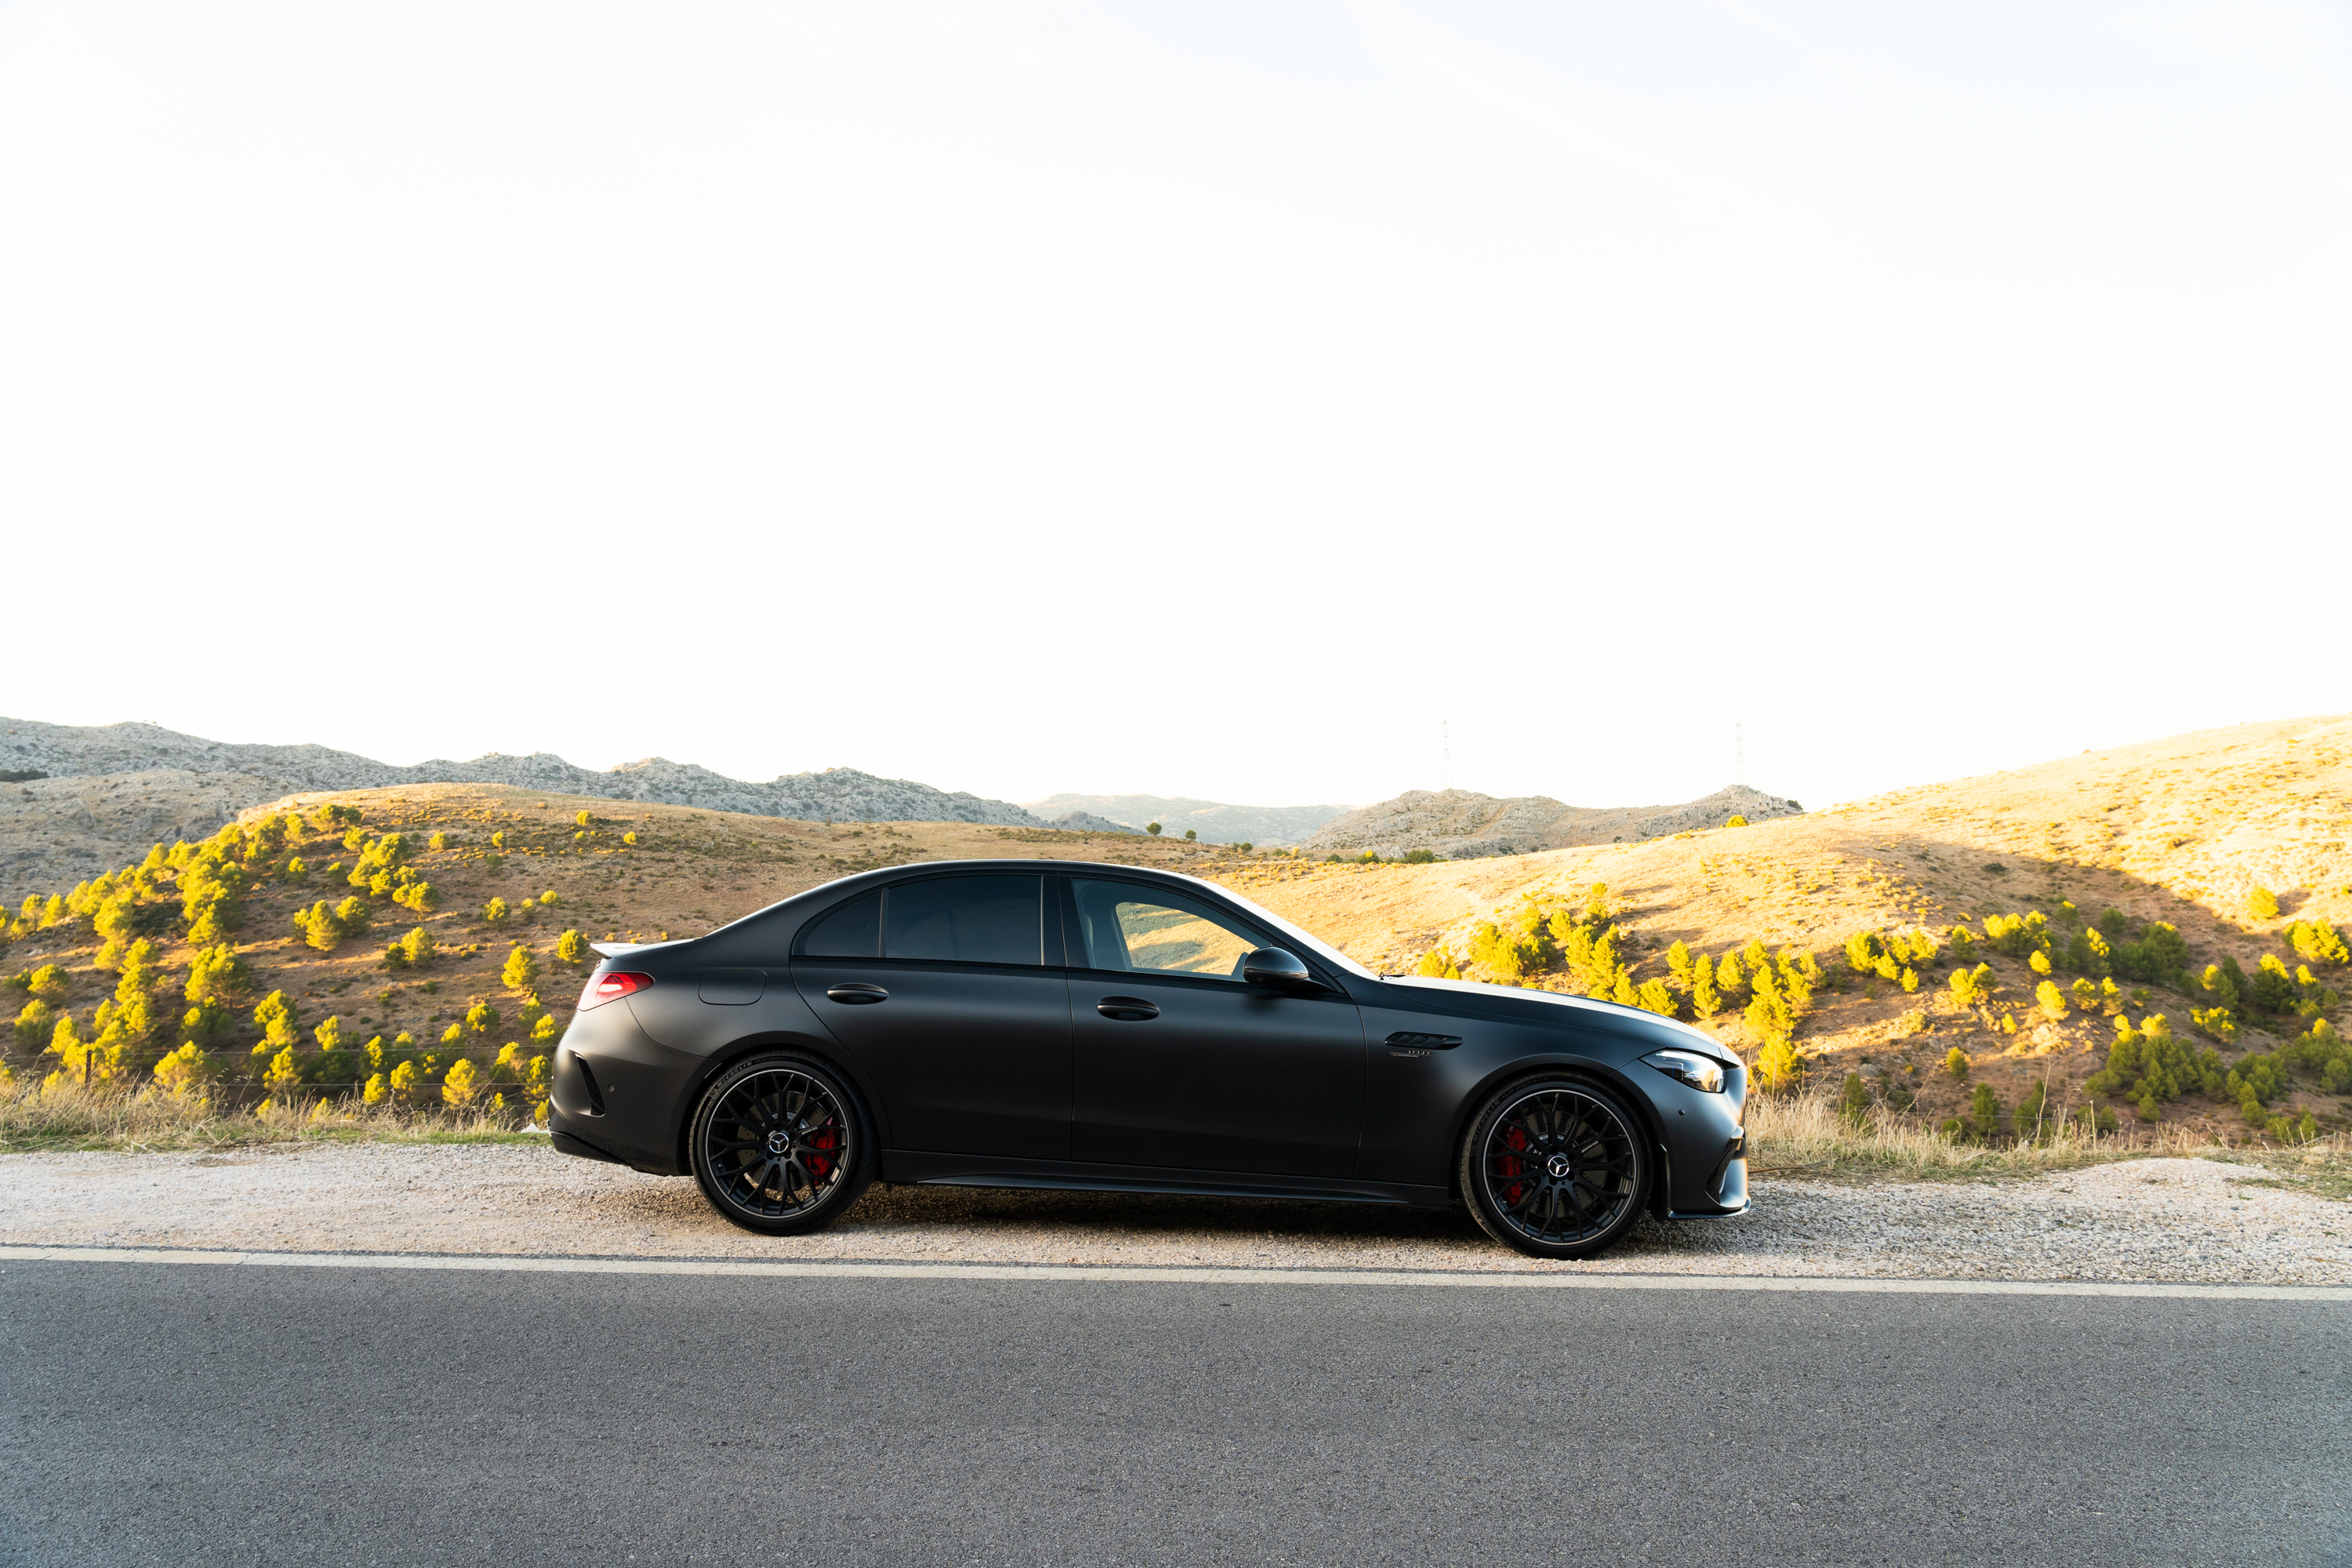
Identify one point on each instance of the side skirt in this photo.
(917, 1168)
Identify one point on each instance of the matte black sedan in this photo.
(1055, 1024)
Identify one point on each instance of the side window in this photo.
(969, 920)
(853, 931)
(1125, 926)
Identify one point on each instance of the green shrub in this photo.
(522, 969)
(1737, 822)
(573, 948)
(1971, 987)
(1153, 828)
(1859, 955)
(318, 928)
(2216, 1021)
(1777, 1064)
(1652, 996)
(2271, 988)
(2047, 996)
(2008, 935)
(2151, 1063)
(1955, 1062)
(495, 913)
(1985, 1114)
(2029, 1108)
(2160, 956)
(1853, 1101)
(2262, 904)
(481, 1018)
(1412, 856)
(2088, 952)
(1679, 963)
(1433, 964)
(279, 1020)
(2256, 1082)
(1706, 1000)
(2318, 943)
(216, 973)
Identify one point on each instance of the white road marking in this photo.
(1569, 1279)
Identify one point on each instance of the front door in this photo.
(951, 994)
(1180, 1063)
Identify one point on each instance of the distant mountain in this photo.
(75, 799)
(1462, 824)
(1215, 822)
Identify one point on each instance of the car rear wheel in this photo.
(779, 1145)
(1554, 1167)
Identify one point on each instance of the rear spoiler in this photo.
(622, 949)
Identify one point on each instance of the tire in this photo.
(1556, 1167)
(780, 1144)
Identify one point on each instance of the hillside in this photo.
(1462, 824)
(80, 800)
(1215, 822)
(2184, 831)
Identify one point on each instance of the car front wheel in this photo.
(1554, 1167)
(779, 1145)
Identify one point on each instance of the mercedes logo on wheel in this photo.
(780, 1142)
(1559, 1165)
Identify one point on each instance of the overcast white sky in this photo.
(1190, 399)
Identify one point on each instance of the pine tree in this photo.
(1705, 1001)
(1679, 963)
(573, 948)
(216, 973)
(2262, 904)
(1853, 1101)
(2052, 1002)
(277, 1019)
(1955, 1062)
(1984, 1112)
(1728, 977)
(481, 1018)
(522, 969)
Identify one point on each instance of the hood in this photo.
(1477, 991)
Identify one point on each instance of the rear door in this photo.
(951, 991)
(1181, 1063)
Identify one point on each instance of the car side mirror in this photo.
(1278, 971)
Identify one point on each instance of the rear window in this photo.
(853, 931)
(966, 920)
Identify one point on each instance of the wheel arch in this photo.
(1513, 1073)
(826, 1052)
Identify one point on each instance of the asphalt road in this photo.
(199, 1415)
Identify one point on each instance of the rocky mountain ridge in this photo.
(1216, 821)
(1463, 824)
(78, 800)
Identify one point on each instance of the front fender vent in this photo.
(1405, 1040)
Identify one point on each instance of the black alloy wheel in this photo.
(779, 1145)
(1554, 1167)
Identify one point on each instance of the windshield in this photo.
(1314, 944)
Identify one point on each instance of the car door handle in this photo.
(857, 994)
(1126, 1009)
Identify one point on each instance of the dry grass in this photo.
(72, 1118)
(1804, 1134)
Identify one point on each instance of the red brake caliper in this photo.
(1516, 1138)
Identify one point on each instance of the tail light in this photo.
(604, 988)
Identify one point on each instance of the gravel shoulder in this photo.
(2141, 1220)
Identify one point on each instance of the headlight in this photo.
(1699, 1072)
